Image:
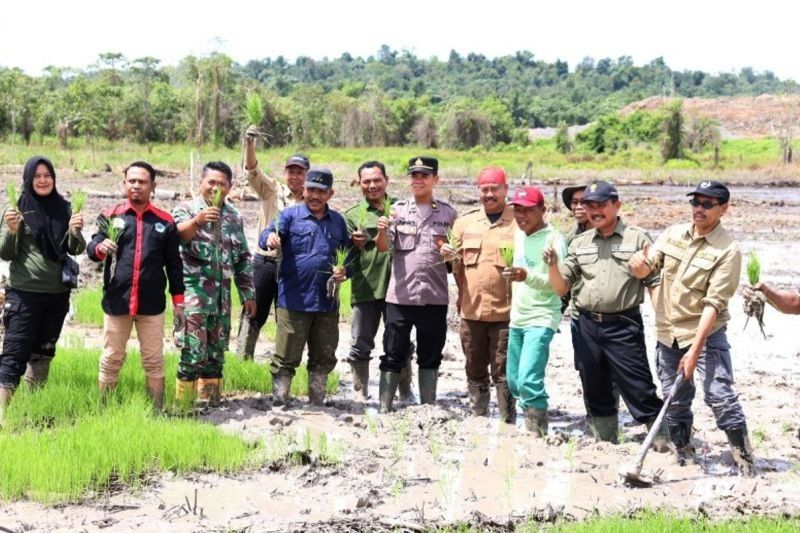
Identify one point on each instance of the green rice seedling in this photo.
(569, 453)
(254, 109)
(507, 254)
(434, 445)
(508, 486)
(755, 301)
(372, 423)
(78, 201)
(362, 213)
(387, 207)
(13, 198)
(447, 484)
(338, 264)
(217, 200)
(112, 227)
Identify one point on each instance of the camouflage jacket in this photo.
(217, 253)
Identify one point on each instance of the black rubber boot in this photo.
(360, 372)
(387, 389)
(506, 404)
(604, 428)
(427, 385)
(742, 451)
(681, 437)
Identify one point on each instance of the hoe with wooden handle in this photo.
(633, 475)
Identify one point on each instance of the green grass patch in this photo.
(59, 444)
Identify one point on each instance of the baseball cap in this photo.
(713, 189)
(527, 197)
(319, 178)
(426, 165)
(297, 160)
(600, 191)
(492, 175)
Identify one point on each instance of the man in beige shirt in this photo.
(484, 298)
(275, 197)
(700, 267)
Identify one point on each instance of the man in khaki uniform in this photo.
(484, 298)
(700, 266)
(275, 197)
(611, 332)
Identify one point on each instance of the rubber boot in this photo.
(185, 393)
(661, 442)
(247, 338)
(37, 371)
(387, 389)
(209, 390)
(536, 421)
(5, 399)
(360, 372)
(404, 385)
(280, 389)
(742, 451)
(681, 437)
(155, 390)
(317, 383)
(478, 398)
(506, 404)
(604, 428)
(427, 385)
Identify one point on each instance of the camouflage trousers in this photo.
(205, 339)
(296, 329)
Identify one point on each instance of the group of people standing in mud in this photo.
(516, 276)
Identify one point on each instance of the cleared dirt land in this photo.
(422, 465)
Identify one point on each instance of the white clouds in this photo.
(711, 36)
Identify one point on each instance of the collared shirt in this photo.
(308, 247)
(695, 272)
(602, 263)
(371, 268)
(275, 197)
(217, 254)
(419, 274)
(569, 298)
(147, 255)
(534, 302)
(483, 291)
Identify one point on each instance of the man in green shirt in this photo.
(370, 277)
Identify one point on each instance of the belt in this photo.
(268, 258)
(626, 315)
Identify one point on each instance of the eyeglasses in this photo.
(707, 204)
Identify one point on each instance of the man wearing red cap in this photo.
(484, 301)
(535, 306)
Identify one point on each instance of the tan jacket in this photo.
(483, 292)
(695, 272)
(275, 197)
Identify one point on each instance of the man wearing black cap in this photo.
(700, 266)
(418, 292)
(308, 235)
(275, 197)
(610, 346)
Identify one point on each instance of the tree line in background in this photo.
(392, 98)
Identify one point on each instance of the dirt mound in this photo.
(738, 117)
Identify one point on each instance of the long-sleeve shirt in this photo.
(483, 292)
(534, 303)
(371, 268)
(602, 263)
(216, 255)
(29, 269)
(308, 249)
(275, 197)
(695, 272)
(147, 255)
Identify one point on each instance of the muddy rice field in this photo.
(423, 466)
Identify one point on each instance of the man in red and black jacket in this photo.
(139, 244)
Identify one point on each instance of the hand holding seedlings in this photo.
(515, 273)
(12, 219)
(358, 238)
(273, 241)
(76, 223)
(251, 134)
(754, 300)
(383, 223)
(448, 252)
(207, 215)
(107, 247)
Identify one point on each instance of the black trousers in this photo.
(266, 281)
(33, 323)
(615, 352)
(431, 324)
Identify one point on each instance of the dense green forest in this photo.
(390, 99)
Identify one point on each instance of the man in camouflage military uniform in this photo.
(214, 250)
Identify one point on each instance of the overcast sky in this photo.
(710, 35)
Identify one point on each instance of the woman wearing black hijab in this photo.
(36, 239)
